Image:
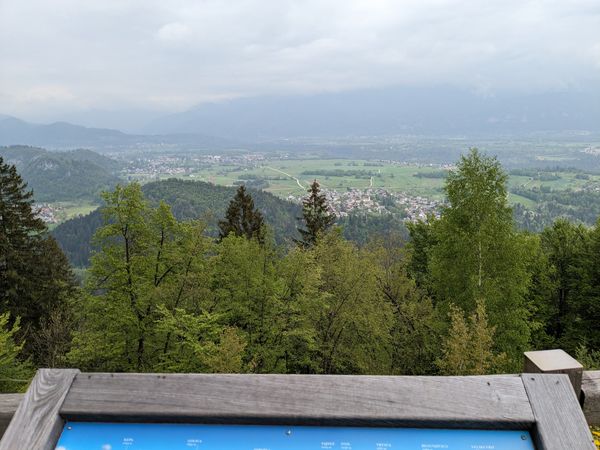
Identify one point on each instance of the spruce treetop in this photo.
(241, 218)
(316, 215)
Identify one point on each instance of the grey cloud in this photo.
(65, 56)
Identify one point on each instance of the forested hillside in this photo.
(466, 293)
(63, 176)
(188, 200)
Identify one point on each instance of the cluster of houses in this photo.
(46, 212)
(591, 150)
(175, 165)
(379, 201)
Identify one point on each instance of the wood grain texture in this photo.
(458, 402)
(560, 424)
(590, 389)
(8, 405)
(36, 424)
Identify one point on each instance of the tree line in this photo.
(465, 294)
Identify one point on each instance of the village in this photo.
(379, 201)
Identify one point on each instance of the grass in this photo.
(68, 210)
(286, 176)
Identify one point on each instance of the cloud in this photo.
(173, 32)
(151, 54)
(107, 447)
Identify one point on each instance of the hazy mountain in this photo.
(58, 135)
(437, 111)
(58, 176)
(63, 135)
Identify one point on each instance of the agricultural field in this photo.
(539, 195)
(286, 178)
(291, 177)
(58, 212)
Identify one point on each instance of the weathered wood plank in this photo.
(560, 423)
(590, 389)
(8, 405)
(555, 361)
(459, 402)
(36, 424)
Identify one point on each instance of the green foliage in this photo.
(14, 373)
(162, 295)
(576, 205)
(565, 246)
(589, 359)
(362, 228)
(57, 176)
(354, 319)
(357, 173)
(478, 256)
(241, 218)
(316, 214)
(148, 264)
(189, 200)
(416, 329)
(35, 277)
(468, 349)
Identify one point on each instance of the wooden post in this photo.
(590, 394)
(36, 424)
(555, 361)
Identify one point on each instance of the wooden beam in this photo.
(36, 424)
(560, 423)
(555, 361)
(590, 396)
(498, 402)
(8, 405)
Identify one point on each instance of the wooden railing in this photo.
(589, 399)
(8, 406)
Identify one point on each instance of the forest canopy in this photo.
(465, 293)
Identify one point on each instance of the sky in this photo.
(63, 58)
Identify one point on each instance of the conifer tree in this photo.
(241, 218)
(316, 215)
(14, 373)
(35, 276)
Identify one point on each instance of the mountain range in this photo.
(392, 111)
(63, 135)
(244, 122)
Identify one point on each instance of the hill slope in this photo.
(62, 176)
(189, 200)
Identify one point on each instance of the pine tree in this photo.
(316, 215)
(35, 276)
(20, 235)
(241, 218)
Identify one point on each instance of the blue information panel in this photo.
(121, 436)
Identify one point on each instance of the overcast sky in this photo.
(61, 57)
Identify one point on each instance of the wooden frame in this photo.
(545, 405)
